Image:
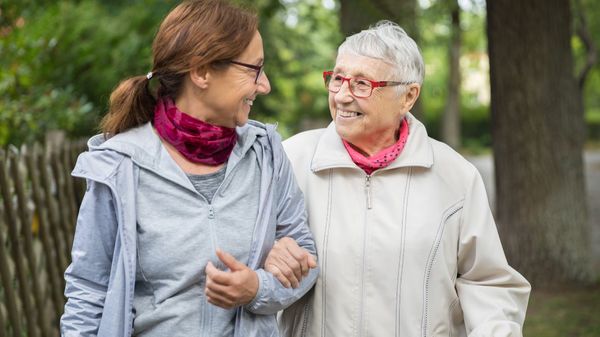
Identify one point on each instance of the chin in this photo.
(344, 133)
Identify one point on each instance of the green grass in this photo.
(564, 312)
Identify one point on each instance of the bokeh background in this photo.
(513, 85)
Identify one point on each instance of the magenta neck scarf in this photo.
(197, 141)
(384, 157)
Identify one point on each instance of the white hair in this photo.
(388, 42)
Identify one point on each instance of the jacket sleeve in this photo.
(493, 296)
(272, 296)
(88, 274)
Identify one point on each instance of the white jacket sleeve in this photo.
(493, 296)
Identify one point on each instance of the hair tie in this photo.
(149, 75)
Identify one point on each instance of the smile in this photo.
(249, 101)
(348, 114)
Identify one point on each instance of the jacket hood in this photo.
(143, 145)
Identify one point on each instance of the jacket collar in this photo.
(144, 147)
(331, 153)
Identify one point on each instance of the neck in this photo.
(371, 147)
(193, 107)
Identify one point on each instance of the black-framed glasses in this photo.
(359, 87)
(259, 69)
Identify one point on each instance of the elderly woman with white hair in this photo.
(405, 237)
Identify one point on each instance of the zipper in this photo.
(364, 257)
(206, 317)
(448, 213)
(368, 191)
(305, 320)
(364, 254)
(211, 210)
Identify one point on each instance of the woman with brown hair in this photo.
(185, 196)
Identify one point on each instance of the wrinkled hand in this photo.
(288, 262)
(233, 288)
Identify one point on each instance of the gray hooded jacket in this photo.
(101, 278)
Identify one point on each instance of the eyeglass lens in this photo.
(358, 87)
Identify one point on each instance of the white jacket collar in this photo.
(331, 153)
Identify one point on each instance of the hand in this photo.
(233, 288)
(289, 262)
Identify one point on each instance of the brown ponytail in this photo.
(130, 104)
(195, 34)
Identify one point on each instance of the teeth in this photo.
(249, 101)
(347, 114)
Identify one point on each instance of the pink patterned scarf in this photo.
(197, 141)
(384, 157)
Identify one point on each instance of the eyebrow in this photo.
(356, 74)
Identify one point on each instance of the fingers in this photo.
(216, 275)
(288, 262)
(281, 270)
(230, 261)
(295, 267)
(215, 288)
(289, 274)
(292, 255)
(301, 257)
(219, 294)
(229, 289)
(273, 269)
(312, 261)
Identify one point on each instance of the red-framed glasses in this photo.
(259, 69)
(359, 87)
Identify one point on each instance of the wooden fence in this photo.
(39, 206)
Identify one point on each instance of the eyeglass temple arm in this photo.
(389, 83)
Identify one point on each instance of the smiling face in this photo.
(225, 96)
(370, 124)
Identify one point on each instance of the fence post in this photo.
(7, 276)
(50, 250)
(25, 216)
(18, 257)
(36, 190)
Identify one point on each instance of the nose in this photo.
(344, 95)
(264, 87)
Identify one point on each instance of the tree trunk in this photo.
(538, 128)
(451, 119)
(356, 15)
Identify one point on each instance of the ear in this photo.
(411, 95)
(200, 77)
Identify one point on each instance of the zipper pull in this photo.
(211, 212)
(368, 190)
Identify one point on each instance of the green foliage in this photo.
(300, 42)
(60, 62)
(435, 40)
(30, 107)
(590, 10)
